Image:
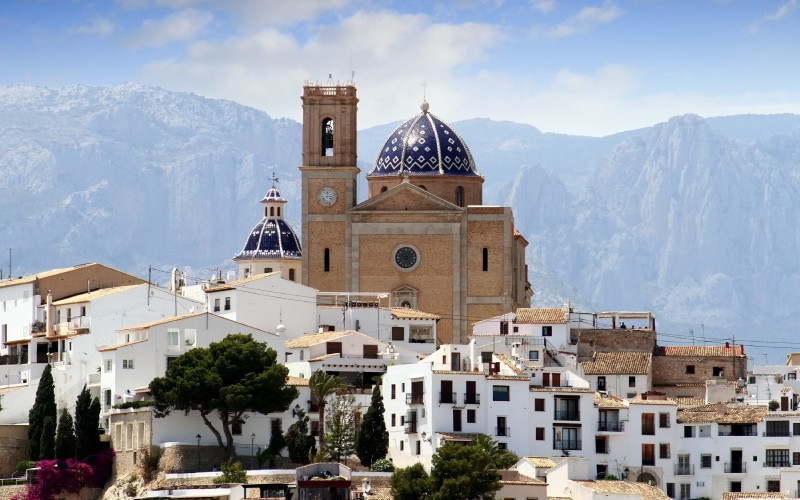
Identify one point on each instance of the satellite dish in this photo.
(367, 487)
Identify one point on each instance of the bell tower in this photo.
(329, 177)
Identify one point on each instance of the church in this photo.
(423, 234)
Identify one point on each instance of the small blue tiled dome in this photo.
(272, 238)
(424, 145)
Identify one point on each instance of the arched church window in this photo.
(279, 211)
(327, 137)
(460, 196)
(272, 211)
(327, 259)
(485, 259)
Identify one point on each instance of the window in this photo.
(394, 419)
(540, 433)
(172, 337)
(717, 371)
(631, 381)
(796, 428)
(648, 424)
(127, 364)
(500, 393)
(485, 259)
(688, 431)
(538, 404)
(663, 420)
(502, 427)
(773, 486)
(600, 444)
(671, 490)
(470, 416)
(460, 197)
(394, 391)
(227, 303)
(791, 376)
(216, 305)
(777, 458)
(533, 355)
(663, 450)
(689, 371)
(189, 336)
(602, 471)
(370, 351)
(401, 445)
(736, 486)
(796, 458)
(109, 365)
(418, 447)
(777, 427)
(291, 275)
(705, 461)
(686, 491)
(398, 333)
(327, 137)
(108, 397)
(129, 436)
(601, 383)
(547, 331)
(504, 328)
(4, 332)
(334, 347)
(326, 266)
(486, 357)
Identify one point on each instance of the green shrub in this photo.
(382, 465)
(232, 472)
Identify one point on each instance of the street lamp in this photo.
(197, 437)
(252, 441)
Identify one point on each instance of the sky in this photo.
(584, 67)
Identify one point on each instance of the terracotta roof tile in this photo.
(700, 350)
(297, 381)
(722, 413)
(161, 321)
(540, 461)
(233, 284)
(609, 401)
(509, 363)
(541, 315)
(407, 313)
(458, 436)
(686, 402)
(745, 495)
(618, 363)
(310, 339)
(96, 294)
(561, 389)
(645, 491)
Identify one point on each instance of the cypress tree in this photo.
(44, 406)
(373, 439)
(87, 422)
(65, 436)
(47, 442)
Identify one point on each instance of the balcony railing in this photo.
(684, 469)
(741, 432)
(567, 415)
(502, 431)
(611, 426)
(410, 428)
(776, 433)
(447, 398)
(567, 444)
(415, 398)
(472, 399)
(777, 463)
(735, 467)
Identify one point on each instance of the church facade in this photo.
(423, 234)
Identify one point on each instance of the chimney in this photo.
(49, 313)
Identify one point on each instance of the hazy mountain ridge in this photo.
(691, 218)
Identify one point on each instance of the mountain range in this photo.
(693, 219)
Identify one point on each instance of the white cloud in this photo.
(784, 10)
(96, 27)
(585, 20)
(545, 6)
(182, 25)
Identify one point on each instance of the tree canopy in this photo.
(321, 385)
(340, 441)
(373, 439)
(87, 423)
(231, 377)
(65, 436)
(299, 442)
(44, 406)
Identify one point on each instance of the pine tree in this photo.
(87, 422)
(47, 441)
(373, 439)
(65, 436)
(44, 406)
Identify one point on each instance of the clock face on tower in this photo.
(326, 196)
(405, 257)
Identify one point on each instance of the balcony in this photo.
(610, 426)
(735, 467)
(684, 469)
(573, 415)
(410, 428)
(79, 324)
(447, 398)
(567, 444)
(777, 463)
(738, 432)
(776, 433)
(415, 398)
(472, 399)
(502, 431)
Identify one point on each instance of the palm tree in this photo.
(501, 458)
(321, 385)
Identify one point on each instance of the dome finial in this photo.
(274, 179)
(424, 106)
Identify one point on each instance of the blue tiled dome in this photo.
(424, 145)
(273, 195)
(271, 239)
